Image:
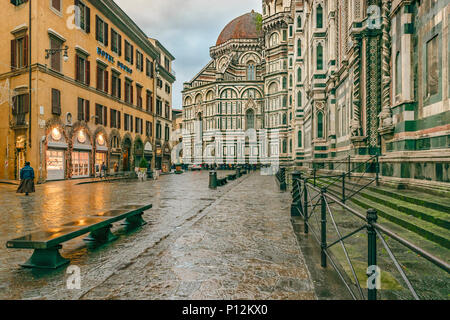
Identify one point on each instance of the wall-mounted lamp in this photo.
(51, 52)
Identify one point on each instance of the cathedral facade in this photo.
(314, 82)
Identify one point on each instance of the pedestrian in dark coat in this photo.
(26, 179)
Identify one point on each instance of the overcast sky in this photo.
(187, 28)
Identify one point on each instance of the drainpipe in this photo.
(29, 75)
(41, 159)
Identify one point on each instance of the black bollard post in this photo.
(372, 270)
(213, 179)
(323, 233)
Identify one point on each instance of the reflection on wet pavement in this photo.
(235, 242)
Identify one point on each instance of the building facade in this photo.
(338, 78)
(163, 113)
(79, 91)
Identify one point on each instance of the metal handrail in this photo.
(303, 188)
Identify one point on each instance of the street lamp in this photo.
(51, 52)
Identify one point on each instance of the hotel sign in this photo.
(110, 58)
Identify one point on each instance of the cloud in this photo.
(187, 28)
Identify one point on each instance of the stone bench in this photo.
(46, 243)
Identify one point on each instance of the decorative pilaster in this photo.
(385, 116)
(356, 61)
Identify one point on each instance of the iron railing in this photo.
(281, 177)
(308, 198)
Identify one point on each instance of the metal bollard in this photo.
(213, 179)
(323, 233)
(372, 217)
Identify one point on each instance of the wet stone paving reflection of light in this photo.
(235, 242)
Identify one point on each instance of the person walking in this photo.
(26, 180)
(103, 171)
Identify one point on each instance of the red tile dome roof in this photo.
(243, 27)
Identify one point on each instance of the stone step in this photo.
(410, 197)
(430, 224)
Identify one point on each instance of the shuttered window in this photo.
(83, 16)
(116, 42)
(129, 52)
(83, 110)
(55, 59)
(56, 4)
(82, 70)
(56, 102)
(139, 96)
(19, 52)
(116, 85)
(101, 31)
(102, 78)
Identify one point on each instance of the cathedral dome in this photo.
(247, 26)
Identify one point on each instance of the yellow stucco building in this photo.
(89, 96)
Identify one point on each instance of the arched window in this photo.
(290, 145)
(250, 119)
(284, 119)
(319, 17)
(299, 99)
(299, 74)
(251, 71)
(284, 82)
(319, 52)
(274, 39)
(299, 47)
(299, 22)
(290, 81)
(398, 74)
(285, 145)
(299, 139)
(290, 62)
(320, 124)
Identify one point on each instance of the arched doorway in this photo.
(126, 154)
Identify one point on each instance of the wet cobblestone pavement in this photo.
(235, 242)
